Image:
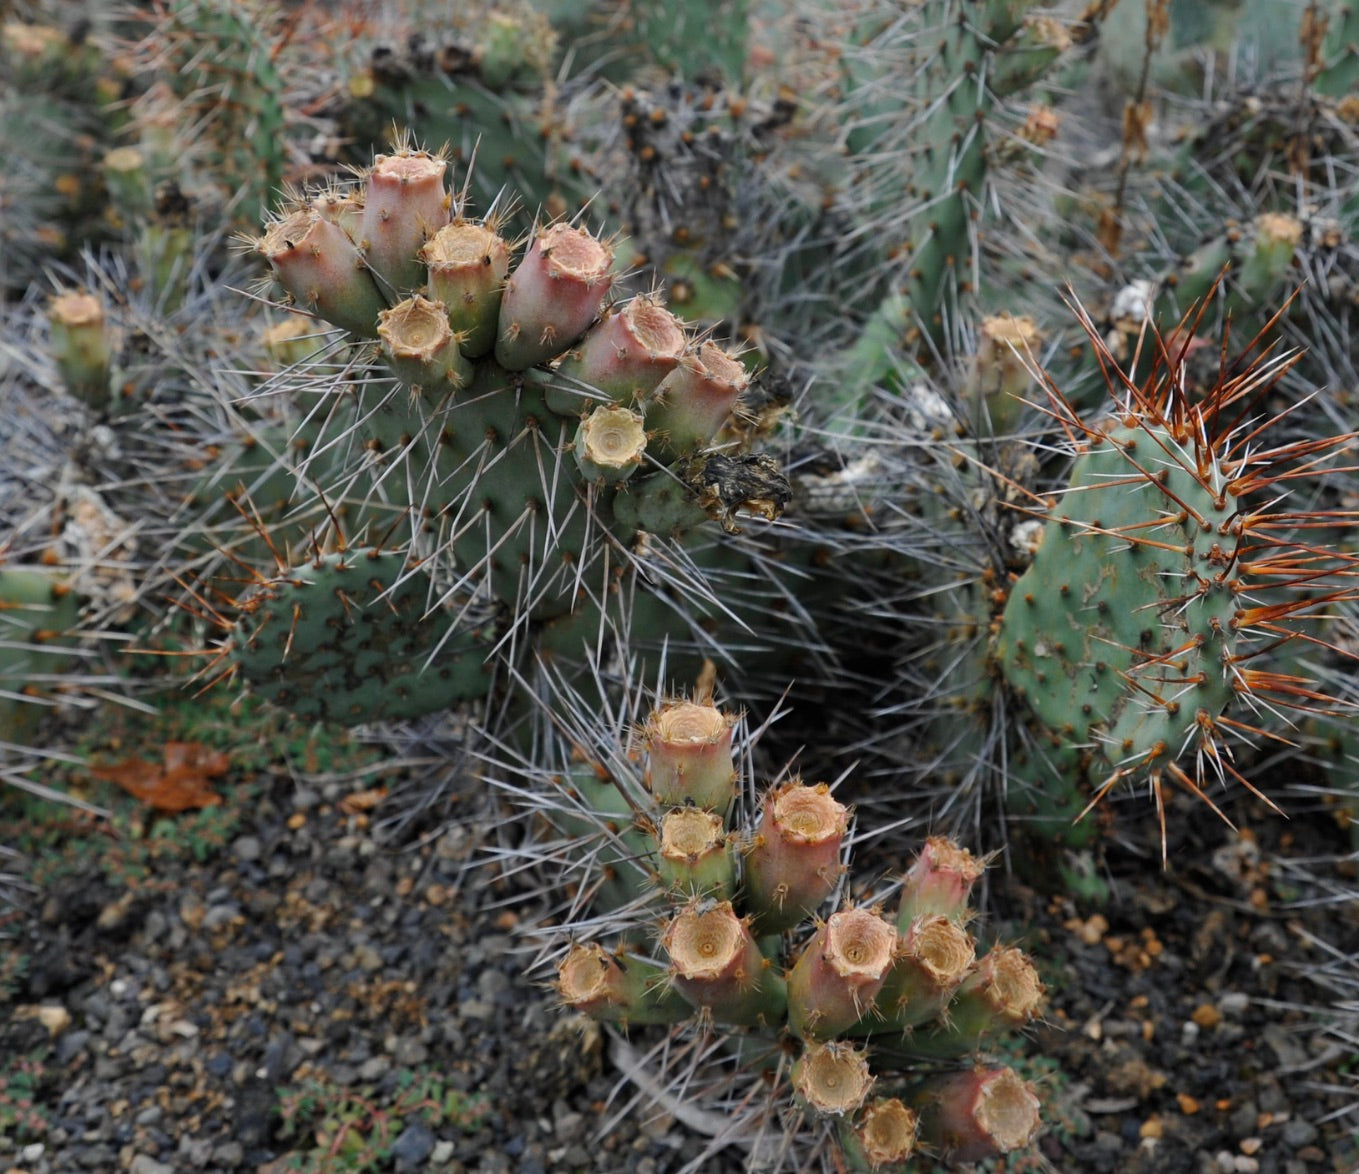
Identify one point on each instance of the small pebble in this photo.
(229, 1155)
(374, 1069)
(219, 916)
(55, 1018)
(1298, 1133)
(413, 1147)
(410, 1052)
(1206, 1015)
(1242, 1121)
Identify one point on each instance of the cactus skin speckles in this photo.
(350, 637)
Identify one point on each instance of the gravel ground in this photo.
(302, 1000)
(305, 998)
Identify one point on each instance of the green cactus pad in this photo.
(1119, 634)
(349, 638)
(38, 611)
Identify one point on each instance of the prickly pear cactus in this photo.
(1147, 615)
(872, 1004)
(521, 439)
(1168, 568)
(956, 60)
(350, 636)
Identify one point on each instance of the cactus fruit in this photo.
(885, 1136)
(968, 1116)
(421, 348)
(838, 975)
(689, 755)
(555, 292)
(619, 990)
(939, 883)
(321, 267)
(833, 1079)
(694, 854)
(717, 966)
(404, 204)
(468, 264)
(81, 347)
(629, 354)
(794, 860)
(869, 1001)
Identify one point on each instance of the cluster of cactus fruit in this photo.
(717, 928)
(518, 437)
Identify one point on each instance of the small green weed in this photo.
(62, 841)
(13, 967)
(353, 1130)
(22, 1121)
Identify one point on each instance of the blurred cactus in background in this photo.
(61, 106)
(217, 104)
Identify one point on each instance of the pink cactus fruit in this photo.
(552, 296)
